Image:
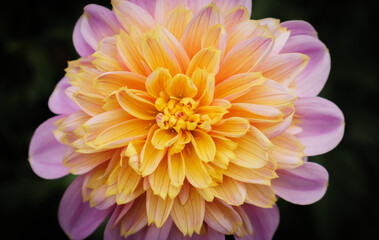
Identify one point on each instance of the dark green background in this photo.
(36, 45)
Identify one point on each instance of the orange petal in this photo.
(90, 104)
(244, 56)
(121, 134)
(252, 150)
(164, 138)
(155, 83)
(224, 151)
(198, 26)
(256, 113)
(216, 37)
(231, 191)
(207, 58)
(157, 209)
(106, 56)
(177, 20)
(188, 217)
(135, 105)
(260, 195)
(111, 81)
(181, 86)
(157, 54)
(196, 173)
(159, 180)
(204, 82)
(203, 145)
(176, 169)
(150, 156)
(234, 127)
(236, 16)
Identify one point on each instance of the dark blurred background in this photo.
(36, 45)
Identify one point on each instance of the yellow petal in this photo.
(159, 180)
(111, 81)
(135, 105)
(215, 113)
(181, 86)
(207, 58)
(260, 195)
(198, 26)
(231, 191)
(106, 56)
(203, 145)
(216, 37)
(253, 149)
(234, 127)
(256, 113)
(259, 176)
(206, 193)
(183, 139)
(90, 104)
(184, 192)
(189, 217)
(155, 83)
(157, 209)
(221, 217)
(244, 56)
(177, 20)
(164, 138)
(82, 163)
(158, 55)
(205, 83)
(196, 173)
(176, 169)
(121, 134)
(238, 85)
(224, 151)
(150, 156)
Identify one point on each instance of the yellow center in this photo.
(178, 114)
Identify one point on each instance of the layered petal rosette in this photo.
(186, 119)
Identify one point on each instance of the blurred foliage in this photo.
(36, 44)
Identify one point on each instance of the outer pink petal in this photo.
(322, 123)
(46, 153)
(148, 5)
(302, 185)
(298, 27)
(77, 218)
(112, 232)
(265, 221)
(154, 233)
(59, 102)
(96, 23)
(80, 44)
(312, 79)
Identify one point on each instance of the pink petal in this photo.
(77, 218)
(322, 123)
(46, 153)
(148, 5)
(302, 185)
(59, 102)
(298, 27)
(154, 233)
(176, 234)
(312, 79)
(265, 221)
(80, 44)
(96, 23)
(226, 5)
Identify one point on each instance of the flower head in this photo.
(186, 118)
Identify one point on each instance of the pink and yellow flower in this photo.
(187, 119)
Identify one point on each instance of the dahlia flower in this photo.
(186, 119)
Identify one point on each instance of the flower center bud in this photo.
(177, 114)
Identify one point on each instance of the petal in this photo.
(162, 233)
(244, 56)
(109, 82)
(97, 23)
(177, 20)
(234, 127)
(80, 44)
(155, 83)
(196, 173)
(158, 54)
(89, 103)
(159, 181)
(106, 57)
(46, 153)
(157, 209)
(298, 27)
(135, 219)
(226, 5)
(222, 217)
(205, 83)
(148, 5)
(231, 191)
(129, 14)
(188, 217)
(252, 150)
(258, 176)
(176, 169)
(207, 58)
(265, 221)
(59, 102)
(236, 16)
(164, 138)
(136, 105)
(121, 134)
(260, 195)
(322, 123)
(203, 145)
(216, 37)
(181, 86)
(77, 218)
(198, 26)
(312, 79)
(302, 185)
